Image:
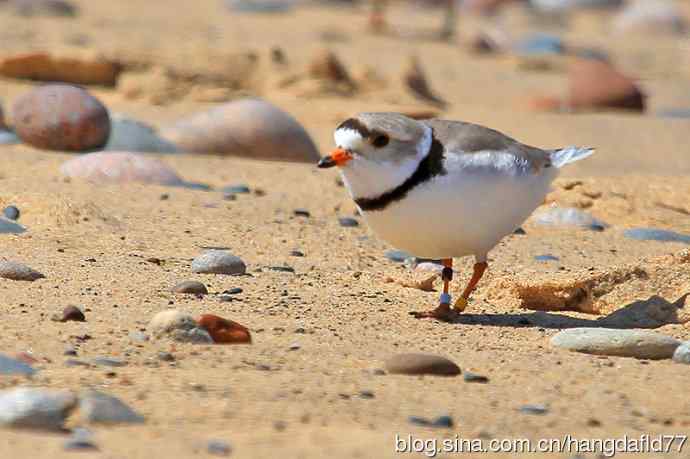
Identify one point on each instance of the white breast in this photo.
(465, 212)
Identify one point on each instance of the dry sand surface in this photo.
(93, 242)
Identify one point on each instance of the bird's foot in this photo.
(443, 313)
(460, 305)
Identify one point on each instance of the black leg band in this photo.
(447, 274)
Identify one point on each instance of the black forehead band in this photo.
(355, 125)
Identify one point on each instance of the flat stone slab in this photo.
(616, 342)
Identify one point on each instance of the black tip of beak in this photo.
(326, 162)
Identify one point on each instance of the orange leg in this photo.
(478, 272)
(443, 311)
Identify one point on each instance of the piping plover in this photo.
(442, 189)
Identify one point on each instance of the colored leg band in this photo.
(445, 298)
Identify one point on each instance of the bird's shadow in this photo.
(653, 312)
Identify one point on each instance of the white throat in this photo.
(365, 178)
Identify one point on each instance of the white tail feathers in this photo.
(560, 158)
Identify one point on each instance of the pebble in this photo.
(474, 378)
(10, 366)
(301, 213)
(235, 189)
(259, 6)
(120, 168)
(546, 257)
(10, 227)
(80, 440)
(654, 234)
(682, 113)
(19, 272)
(296, 253)
(282, 269)
(250, 128)
(127, 134)
(178, 326)
(421, 364)
(224, 331)
(569, 217)
(218, 448)
(348, 222)
(70, 313)
(682, 353)
(218, 262)
(138, 336)
(397, 256)
(166, 356)
(8, 137)
(54, 8)
(109, 362)
(233, 291)
(443, 422)
(70, 350)
(99, 408)
(11, 212)
(35, 408)
(192, 287)
(539, 44)
(616, 342)
(534, 409)
(61, 117)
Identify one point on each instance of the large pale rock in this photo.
(616, 342)
(35, 408)
(120, 167)
(250, 128)
(98, 408)
(178, 326)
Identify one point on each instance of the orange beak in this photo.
(338, 157)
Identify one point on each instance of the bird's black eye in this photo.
(380, 141)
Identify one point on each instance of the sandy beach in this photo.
(313, 383)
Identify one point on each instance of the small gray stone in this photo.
(397, 256)
(348, 222)
(421, 364)
(218, 262)
(192, 287)
(235, 189)
(80, 440)
(569, 217)
(10, 366)
(218, 448)
(654, 234)
(166, 356)
(100, 408)
(475, 378)
(616, 342)
(138, 336)
(534, 409)
(682, 353)
(194, 335)
(109, 362)
(10, 227)
(17, 271)
(35, 408)
(546, 257)
(11, 212)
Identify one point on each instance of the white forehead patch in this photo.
(349, 139)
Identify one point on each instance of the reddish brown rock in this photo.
(41, 66)
(597, 84)
(70, 313)
(224, 331)
(121, 168)
(61, 117)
